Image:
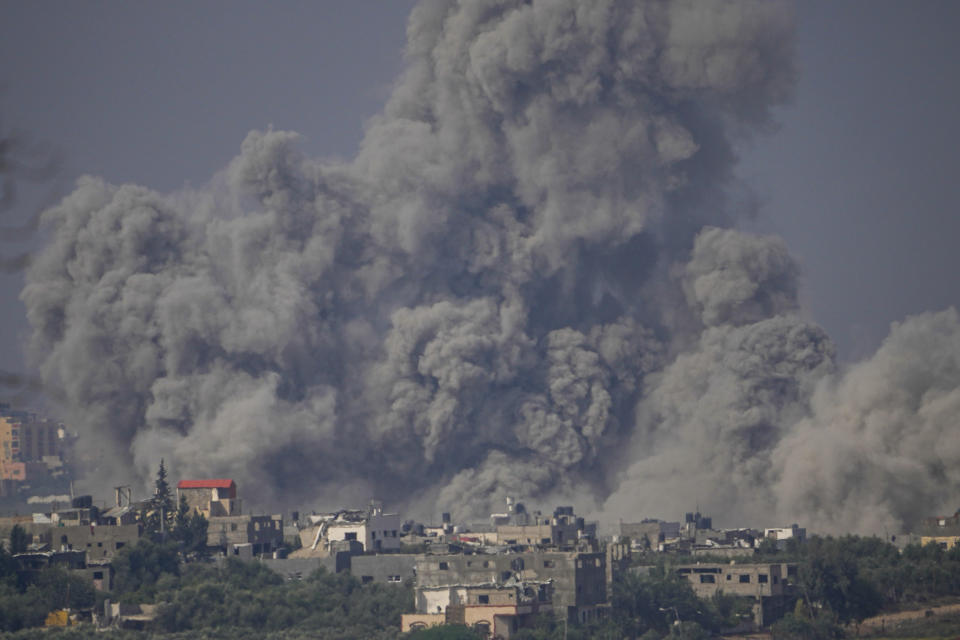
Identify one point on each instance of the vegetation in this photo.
(27, 597)
(840, 582)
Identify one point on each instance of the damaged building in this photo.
(496, 610)
(373, 529)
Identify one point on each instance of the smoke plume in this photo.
(527, 282)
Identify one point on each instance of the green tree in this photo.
(189, 528)
(138, 568)
(160, 513)
(18, 539)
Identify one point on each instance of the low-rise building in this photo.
(264, 534)
(374, 529)
(212, 497)
(493, 610)
(579, 578)
(768, 584)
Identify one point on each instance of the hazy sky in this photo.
(859, 179)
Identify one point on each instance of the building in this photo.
(214, 497)
(99, 542)
(770, 585)
(375, 530)
(229, 534)
(492, 610)
(579, 578)
(782, 534)
(650, 534)
(940, 530)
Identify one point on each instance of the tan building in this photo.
(491, 610)
(213, 497)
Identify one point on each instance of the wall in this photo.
(100, 542)
(579, 579)
(392, 568)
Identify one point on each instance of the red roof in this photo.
(216, 483)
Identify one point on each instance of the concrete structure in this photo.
(768, 584)
(263, 533)
(649, 534)
(579, 578)
(390, 568)
(213, 497)
(495, 610)
(374, 529)
(782, 534)
(940, 530)
(99, 542)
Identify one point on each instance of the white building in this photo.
(374, 529)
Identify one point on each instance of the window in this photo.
(233, 526)
(729, 577)
(484, 599)
(776, 580)
(762, 577)
(548, 564)
(744, 577)
(98, 575)
(393, 579)
(444, 566)
(350, 535)
(505, 575)
(366, 579)
(119, 545)
(486, 564)
(706, 578)
(373, 535)
(99, 544)
(545, 540)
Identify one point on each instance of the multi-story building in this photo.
(211, 497)
(374, 529)
(770, 585)
(493, 610)
(579, 578)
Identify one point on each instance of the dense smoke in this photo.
(526, 283)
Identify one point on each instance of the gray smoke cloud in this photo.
(526, 283)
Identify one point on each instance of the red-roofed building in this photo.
(213, 497)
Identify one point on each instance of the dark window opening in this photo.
(484, 599)
(744, 577)
(762, 577)
(366, 579)
(350, 535)
(444, 566)
(706, 578)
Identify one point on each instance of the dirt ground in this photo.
(884, 621)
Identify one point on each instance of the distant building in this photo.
(579, 578)
(771, 585)
(940, 530)
(492, 610)
(374, 529)
(213, 497)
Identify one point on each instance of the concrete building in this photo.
(212, 497)
(782, 534)
(769, 585)
(650, 534)
(374, 529)
(492, 610)
(99, 542)
(579, 578)
(390, 568)
(228, 534)
(940, 530)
